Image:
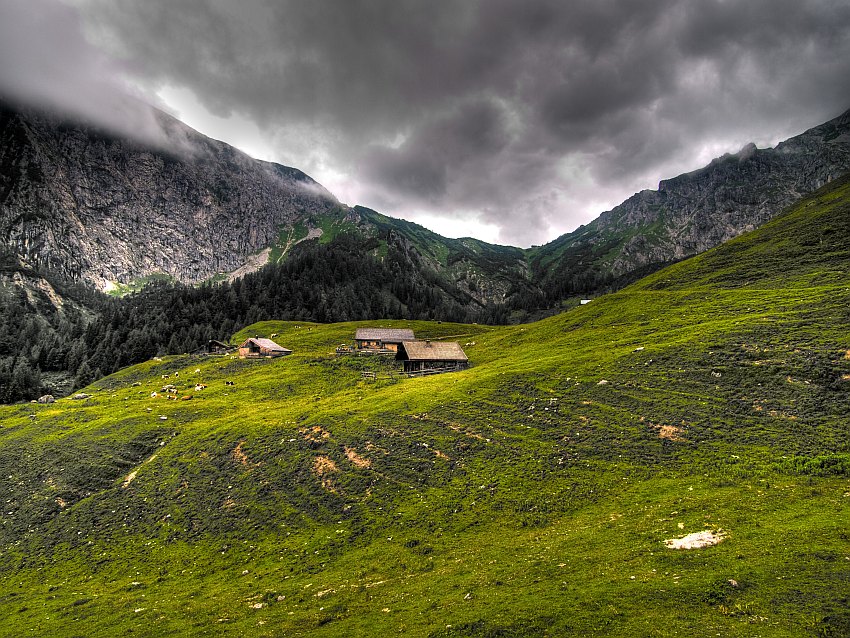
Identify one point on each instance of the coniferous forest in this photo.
(47, 349)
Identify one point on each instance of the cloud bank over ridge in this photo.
(526, 117)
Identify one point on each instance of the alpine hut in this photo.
(256, 347)
(217, 347)
(430, 357)
(382, 339)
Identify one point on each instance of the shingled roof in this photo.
(268, 344)
(387, 335)
(434, 351)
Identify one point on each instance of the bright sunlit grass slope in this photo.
(528, 496)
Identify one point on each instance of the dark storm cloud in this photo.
(530, 114)
(452, 143)
(45, 60)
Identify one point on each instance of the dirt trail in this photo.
(132, 475)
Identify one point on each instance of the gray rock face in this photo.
(695, 211)
(94, 207)
(103, 209)
(734, 194)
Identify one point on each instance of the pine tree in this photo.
(25, 380)
(85, 375)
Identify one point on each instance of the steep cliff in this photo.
(696, 211)
(91, 206)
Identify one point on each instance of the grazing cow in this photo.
(200, 387)
(187, 397)
(197, 370)
(229, 383)
(154, 395)
(274, 334)
(165, 376)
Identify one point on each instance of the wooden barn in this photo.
(431, 357)
(217, 347)
(382, 339)
(256, 347)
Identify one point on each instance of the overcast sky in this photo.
(512, 121)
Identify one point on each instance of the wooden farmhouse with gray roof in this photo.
(431, 357)
(256, 347)
(382, 339)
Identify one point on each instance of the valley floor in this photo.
(531, 495)
(522, 497)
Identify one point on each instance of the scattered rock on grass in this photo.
(696, 540)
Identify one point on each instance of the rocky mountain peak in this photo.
(110, 210)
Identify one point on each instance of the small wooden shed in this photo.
(257, 347)
(217, 347)
(387, 339)
(430, 357)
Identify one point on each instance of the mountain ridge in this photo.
(92, 206)
(88, 205)
(694, 211)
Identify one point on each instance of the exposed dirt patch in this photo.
(776, 414)
(697, 540)
(356, 459)
(228, 504)
(324, 467)
(316, 434)
(374, 448)
(240, 457)
(132, 475)
(670, 432)
(457, 427)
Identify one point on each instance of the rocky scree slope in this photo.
(88, 205)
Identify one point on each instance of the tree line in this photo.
(44, 348)
(350, 278)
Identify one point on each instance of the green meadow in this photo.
(530, 495)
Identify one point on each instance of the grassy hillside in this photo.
(530, 495)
